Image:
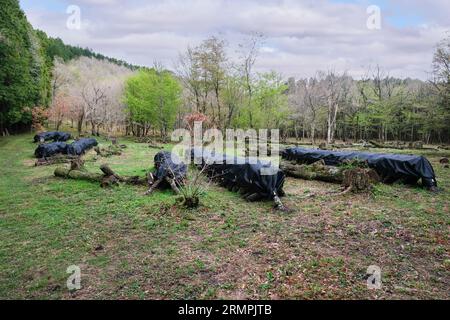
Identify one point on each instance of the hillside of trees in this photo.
(41, 77)
(27, 60)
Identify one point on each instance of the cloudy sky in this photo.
(301, 36)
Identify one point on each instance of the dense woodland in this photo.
(43, 81)
(27, 68)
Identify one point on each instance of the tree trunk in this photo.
(313, 172)
(59, 159)
(80, 124)
(2, 129)
(321, 172)
(78, 175)
(108, 178)
(93, 132)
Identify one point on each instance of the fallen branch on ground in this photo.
(58, 159)
(156, 146)
(375, 144)
(417, 145)
(107, 179)
(112, 150)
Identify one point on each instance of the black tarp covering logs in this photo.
(391, 167)
(250, 177)
(51, 149)
(80, 147)
(169, 166)
(170, 171)
(52, 136)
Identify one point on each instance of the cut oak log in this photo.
(77, 164)
(78, 175)
(321, 172)
(317, 171)
(58, 159)
(376, 144)
(112, 150)
(109, 178)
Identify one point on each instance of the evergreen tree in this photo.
(27, 58)
(17, 87)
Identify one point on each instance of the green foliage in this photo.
(268, 107)
(55, 47)
(18, 78)
(410, 112)
(153, 99)
(27, 57)
(42, 67)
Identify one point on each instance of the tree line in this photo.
(331, 105)
(100, 94)
(334, 106)
(26, 71)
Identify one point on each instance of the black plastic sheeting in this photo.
(242, 173)
(51, 149)
(391, 167)
(55, 136)
(80, 147)
(169, 165)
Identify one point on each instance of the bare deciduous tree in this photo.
(249, 51)
(94, 88)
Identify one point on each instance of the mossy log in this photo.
(375, 144)
(155, 146)
(357, 180)
(321, 172)
(107, 179)
(318, 171)
(78, 175)
(58, 159)
(396, 145)
(354, 177)
(112, 150)
(77, 164)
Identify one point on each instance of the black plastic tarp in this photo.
(50, 149)
(391, 167)
(54, 136)
(253, 175)
(80, 147)
(169, 165)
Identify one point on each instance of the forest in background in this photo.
(42, 80)
(27, 68)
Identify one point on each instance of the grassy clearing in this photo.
(134, 247)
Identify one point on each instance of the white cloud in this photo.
(302, 36)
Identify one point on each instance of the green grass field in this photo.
(129, 246)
